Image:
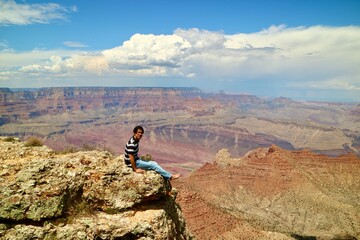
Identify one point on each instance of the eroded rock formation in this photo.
(272, 193)
(82, 195)
(179, 119)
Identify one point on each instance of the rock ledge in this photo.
(83, 195)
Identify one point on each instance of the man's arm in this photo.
(133, 164)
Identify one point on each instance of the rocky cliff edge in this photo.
(82, 195)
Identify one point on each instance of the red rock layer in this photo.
(289, 192)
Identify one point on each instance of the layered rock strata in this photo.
(83, 195)
(178, 119)
(28, 104)
(272, 193)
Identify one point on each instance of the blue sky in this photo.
(298, 49)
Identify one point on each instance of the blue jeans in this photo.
(152, 165)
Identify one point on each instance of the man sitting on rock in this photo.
(136, 163)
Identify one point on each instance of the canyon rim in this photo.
(268, 168)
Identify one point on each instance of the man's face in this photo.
(138, 135)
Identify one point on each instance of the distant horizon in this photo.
(179, 87)
(295, 49)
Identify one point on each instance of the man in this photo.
(138, 165)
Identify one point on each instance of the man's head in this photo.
(138, 132)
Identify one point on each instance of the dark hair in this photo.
(138, 128)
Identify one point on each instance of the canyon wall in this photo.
(38, 102)
(273, 181)
(180, 120)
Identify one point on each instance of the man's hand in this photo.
(138, 170)
(133, 164)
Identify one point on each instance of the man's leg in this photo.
(152, 165)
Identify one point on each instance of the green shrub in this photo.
(33, 142)
(146, 157)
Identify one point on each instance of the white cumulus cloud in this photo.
(317, 57)
(157, 55)
(13, 13)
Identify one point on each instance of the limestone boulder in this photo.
(82, 195)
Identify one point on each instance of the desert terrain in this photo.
(189, 125)
(252, 167)
(273, 193)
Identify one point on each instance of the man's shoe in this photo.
(175, 176)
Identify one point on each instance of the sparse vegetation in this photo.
(146, 157)
(69, 149)
(89, 147)
(33, 142)
(10, 139)
(86, 147)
